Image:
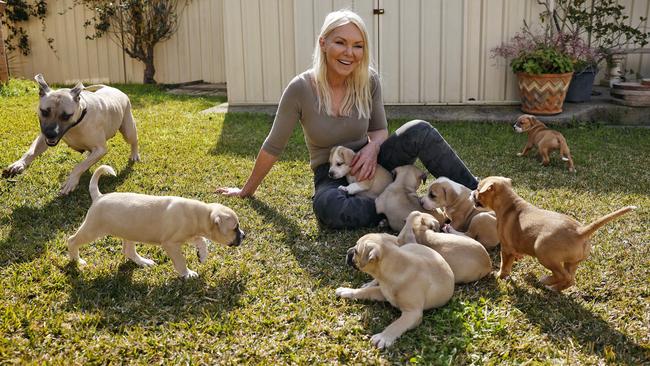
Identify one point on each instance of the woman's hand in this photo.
(231, 191)
(364, 163)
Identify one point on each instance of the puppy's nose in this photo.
(330, 174)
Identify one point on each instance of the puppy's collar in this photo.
(83, 114)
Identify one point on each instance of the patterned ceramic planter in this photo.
(544, 93)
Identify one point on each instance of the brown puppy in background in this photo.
(412, 278)
(545, 139)
(558, 241)
(456, 201)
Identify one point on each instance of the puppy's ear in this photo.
(486, 188)
(373, 255)
(43, 88)
(76, 91)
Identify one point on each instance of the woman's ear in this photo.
(321, 42)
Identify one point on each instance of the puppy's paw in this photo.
(381, 340)
(503, 275)
(190, 274)
(520, 154)
(69, 186)
(145, 262)
(135, 157)
(345, 292)
(343, 188)
(81, 262)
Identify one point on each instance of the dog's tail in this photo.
(565, 153)
(589, 229)
(94, 180)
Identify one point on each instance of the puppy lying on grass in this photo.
(340, 166)
(558, 241)
(466, 257)
(164, 220)
(545, 139)
(412, 278)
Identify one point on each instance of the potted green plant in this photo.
(543, 70)
(598, 30)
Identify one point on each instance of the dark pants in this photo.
(415, 139)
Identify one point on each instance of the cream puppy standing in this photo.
(340, 165)
(467, 258)
(84, 118)
(456, 201)
(164, 220)
(412, 278)
(400, 197)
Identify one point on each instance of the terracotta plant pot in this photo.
(544, 93)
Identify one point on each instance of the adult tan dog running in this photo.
(85, 118)
(466, 257)
(456, 201)
(412, 278)
(164, 220)
(340, 166)
(558, 241)
(545, 139)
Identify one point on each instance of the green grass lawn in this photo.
(271, 300)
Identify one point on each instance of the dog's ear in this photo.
(486, 188)
(424, 178)
(374, 255)
(43, 88)
(76, 91)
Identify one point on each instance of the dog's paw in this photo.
(14, 169)
(81, 262)
(145, 262)
(190, 274)
(69, 186)
(343, 188)
(370, 284)
(503, 275)
(520, 154)
(381, 340)
(135, 157)
(345, 292)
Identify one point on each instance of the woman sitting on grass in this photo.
(338, 102)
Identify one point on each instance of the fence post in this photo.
(4, 67)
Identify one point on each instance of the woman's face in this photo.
(343, 49)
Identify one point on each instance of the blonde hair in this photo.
(358, 84)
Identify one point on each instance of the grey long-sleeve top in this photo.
(299, 102)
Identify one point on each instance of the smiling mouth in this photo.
(346, 63)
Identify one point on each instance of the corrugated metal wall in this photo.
(427, 51)
(195, 52)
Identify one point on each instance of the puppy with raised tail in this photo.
(340, 166)
(85, 118)
(545, 139)
(558, 241)
(457, 204)
(168, 221)
(466, 257)
(400, 197)
(412, 278)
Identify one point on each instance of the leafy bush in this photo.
(17, 88)
(542, 61)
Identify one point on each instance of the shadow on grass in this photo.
(33, 227)
(563, 318)
(243, 134)
(120, 301)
